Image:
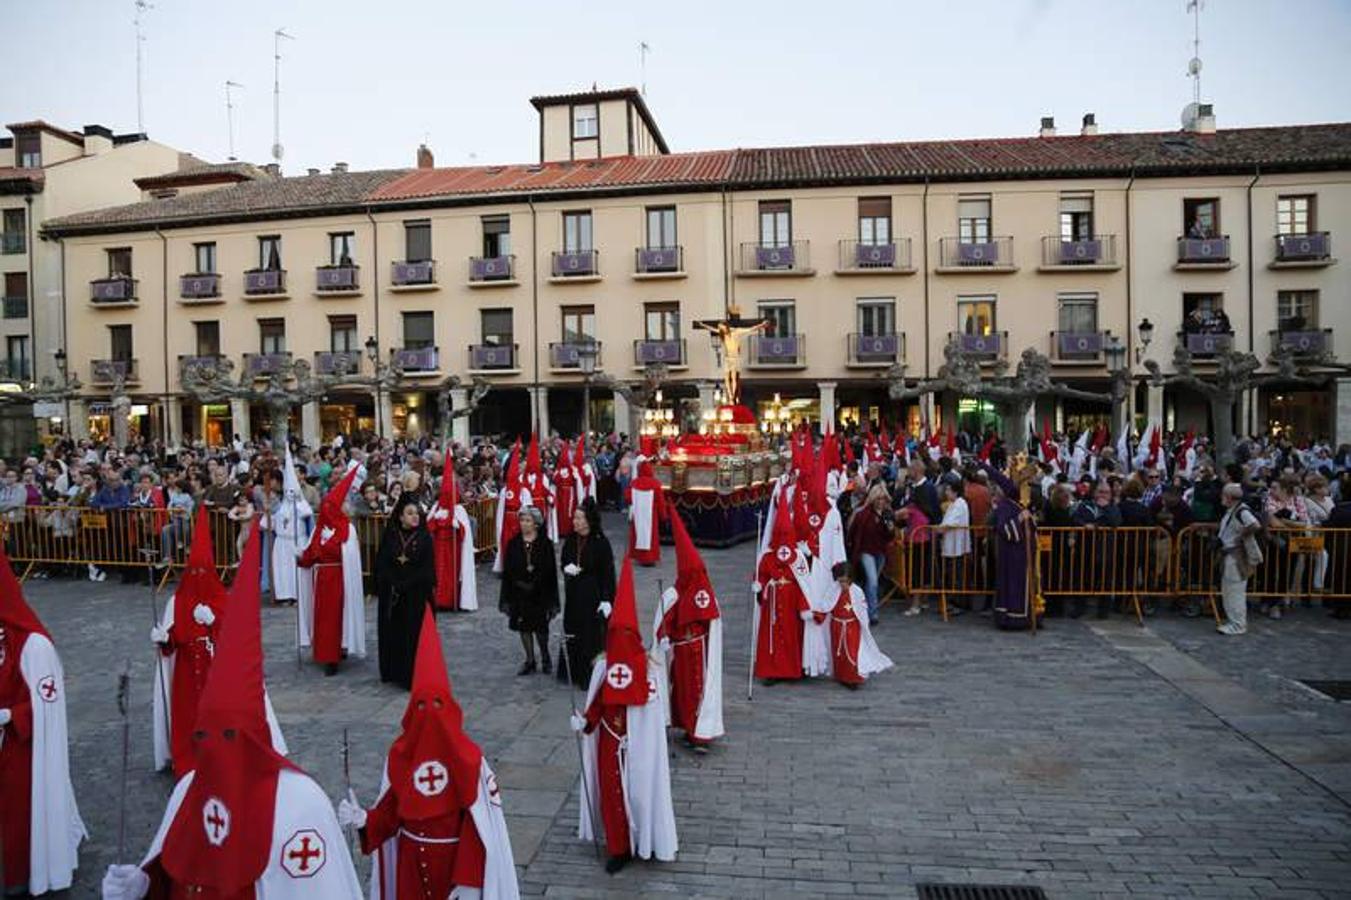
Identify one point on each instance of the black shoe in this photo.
(615, 863)
(526, 667)
(330, 669)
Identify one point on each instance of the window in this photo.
(272, 335)
(874, 221)
(1078, 313)
(661, 227)
(975, 315)
(342, 248)
(776, 223)
(204, 258)
(208, 338)
(28, 150)
(16, 287)
(269, 252)
(876, 316)
(497, 236)
(119, 262)
(1204, 313)
(1295, 215)
(342, 334)
(417, 241)
(496, 327)
(577, 232)
(419, 330)
(1296, 310)
(579, 324)
(584, 121)
(661, 321)
(1201, 217)
(781, 315)
(16, 352)
(973, 219)
(16, 226)
(119, 343)
(1076, 217)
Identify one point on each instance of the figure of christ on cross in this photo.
(728, 332)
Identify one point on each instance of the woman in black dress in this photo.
(405, 581)
(530, 588)
(588, 590)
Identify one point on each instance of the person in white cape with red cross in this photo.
(437, 829)
(821, 533)
(782, 587)
(452, 546)
(688, 630)
(40, 825)
(626, 778)
(246, 822)
(646, 510)
(336, 622)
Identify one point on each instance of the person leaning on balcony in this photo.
(1238, 544)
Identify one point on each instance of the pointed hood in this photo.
(433, 765)
(200, 583)
(625, 659)
(449, 496)
(512, 480)
(783, 534)
(830, 453)
(564, 462)
(15, 612)
(987, 448)
(534, 467)
(848, 452)
(695, 600)
(579, 454)
(221, 836)
(331, 514)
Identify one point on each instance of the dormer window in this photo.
(584, 121)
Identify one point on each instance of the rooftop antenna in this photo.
(643, 50)
(277, 148)
(230, 115)
(1194, 64)
(141, 7)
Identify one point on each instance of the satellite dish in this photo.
(1189, 115)
(1194, 66)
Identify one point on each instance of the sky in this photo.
(366, 81)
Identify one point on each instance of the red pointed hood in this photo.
(15, 612)
(695, 600)
(952, 442)
(986, 448)
(783, 535)
(331, 513)
(830, 452)
(433, 765)
(449, 496)
(885, 442)
(1048, 448)
(645, 470)
(221, 836)
(848, 452)
(200, 582)
(564, 463)
(534, 467)
(625, 660)
(579, 454)
(512, 486)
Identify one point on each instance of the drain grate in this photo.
(1337, 690)
(979, 892)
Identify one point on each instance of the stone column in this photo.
(311, 432)
(386, 414)
(706, 389)
(173, 425)
(459, 428)
(539, 410)
(1154, 404)
(827, 392)
(239, 419)
(622, 422)
(78, 426)
(1341, 419)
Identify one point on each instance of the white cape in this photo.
(468, 577)
(871, 659)
(353, 599)
(499, 868)
(290, 531)
(301, 806)
(708, 725)
(816, 656)
(644, 768)
(162, 709)
(767, 531)
(640, 513)
(55, 827)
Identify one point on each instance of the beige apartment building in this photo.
(859, 257)
(47, 172)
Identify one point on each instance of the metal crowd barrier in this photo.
(1130, 563)
(1297, 564)
(936, 567)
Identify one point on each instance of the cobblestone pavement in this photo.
(1096, 759)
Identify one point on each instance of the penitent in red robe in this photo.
(325, 556)
(16, 760)
(689, 649)
(191, 650)
(567, 497)
(448, 537)
(778, 646)
(435, 855)
(845, 634)
(613, 722)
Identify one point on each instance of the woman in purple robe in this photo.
(1011, 539)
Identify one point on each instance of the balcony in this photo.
(567, 355)
(16, 307)
(1303, 343)
(763, 260)
(651, 263)
(16, 370)
(416, 362)
(200, 287)
(107, 371)
(493, 271)
(339, 280)
(13, 242)
(1083, 348)
(959, 257)
(203, 361)
(113, 292)
(1303, 251)
(987, 348)
(859, 258)
(670, 353)
(412, 275)
(1203, 254)
(787, 351)
(1203, 345)
(261, 365)
(337, 362)
(265, 284)
(1095, 254)
(868, 351)
(493, 358)
(580, 265)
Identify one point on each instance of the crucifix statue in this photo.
(726, 334)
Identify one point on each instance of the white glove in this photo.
(605, 608)
(125, 883)
(159, 635)
(669, 595)
(5, 717)
(572, 569)
(664, 645)
(755, 587)
(202, 615)
(805, 615)
(577, 722)
(350, 811)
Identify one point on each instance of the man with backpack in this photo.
(1241, 555)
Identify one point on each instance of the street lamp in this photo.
(373, 354)
(586, 361)
(1145, 330)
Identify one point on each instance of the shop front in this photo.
(347, 415)
(1300, 413)
(414, 414)
(143, 421)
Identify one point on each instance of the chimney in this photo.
(273, 169)
(339, 168)
(425, 160)
(1204, 123)
(1047, 127)
(311, 171)
(1090, 125)
(97, 139)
